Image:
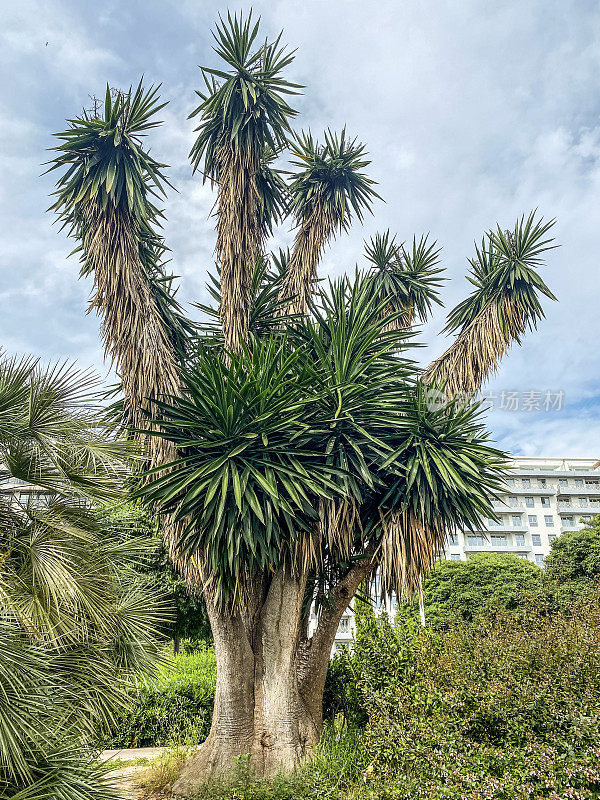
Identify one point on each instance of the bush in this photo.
(504, 707)
(175, 708)
(575, 558)
(484, 584)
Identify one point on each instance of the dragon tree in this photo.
(292, 445)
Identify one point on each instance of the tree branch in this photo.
(313, 653)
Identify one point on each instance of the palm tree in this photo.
(503, 306)
(71, 625)
(104, 198)
(244, 119)
(324, 193)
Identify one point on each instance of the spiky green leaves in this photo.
(504, 271)
(266, 308)
(446, 474)
(323, 196)
(505, 304)
(104, 158)
(405, 279)
(109, 175)
(244, 120)
(245, 106)
(330, 177)
(250, 473)
(360, 385)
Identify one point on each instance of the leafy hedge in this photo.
(176, 708)
(500, 708)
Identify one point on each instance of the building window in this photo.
(522, 555)
(551, 537)
(455, 556)
(545, 502)
(453, 538)
(579, 483)
(533, 520)
(536, 540)
(516, 520)
(475, 541)
(542, 483)
(499, 541)
(513, 502)
(584, 517)
(568, 520)
(526, 483)
(582, 502)
(563, 482)
(510, 481)
(539, 559)
(549, 520)
(344, 624)
(519, 539)
(529, 502)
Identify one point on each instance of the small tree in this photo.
(309, 451)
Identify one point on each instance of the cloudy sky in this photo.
(473, 112)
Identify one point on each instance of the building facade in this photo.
(543, 498)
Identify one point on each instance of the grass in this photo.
(120, 763)
(162, 771)
(335, 771)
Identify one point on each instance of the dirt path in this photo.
(125, 779)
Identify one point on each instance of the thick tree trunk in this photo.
(270, 681)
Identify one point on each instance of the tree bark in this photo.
(270, 681)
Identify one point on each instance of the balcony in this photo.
(503, 508)
(565, 508)
(491, 529)
(578, 490)
(497, 548)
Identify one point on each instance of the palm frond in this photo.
(503, 306)
(65, 615)
(329, 188)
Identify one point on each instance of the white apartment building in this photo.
(544, 497)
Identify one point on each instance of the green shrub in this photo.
(506, 707)
(176, 708)
(484, 584)
(574, 559)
